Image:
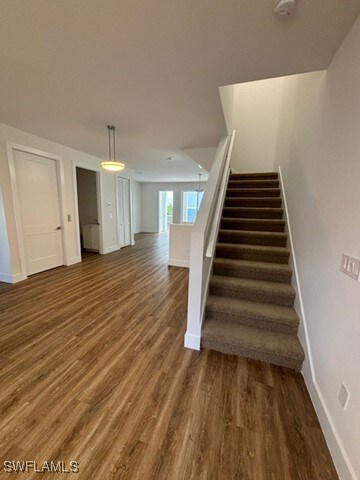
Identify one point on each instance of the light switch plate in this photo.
(350, 266)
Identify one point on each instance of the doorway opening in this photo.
(87, 197)
(166, 210)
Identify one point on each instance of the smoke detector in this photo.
(284, 8)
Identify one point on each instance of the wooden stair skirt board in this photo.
(250, 308)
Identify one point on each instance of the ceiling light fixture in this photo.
(199, 189)
(112, 165)
(284, 8)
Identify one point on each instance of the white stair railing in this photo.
(203, 240)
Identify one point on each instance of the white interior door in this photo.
(123, 208)
(38, 192)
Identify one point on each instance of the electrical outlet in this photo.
(344, 396)
(69, 217)
(110, 216)
(350, 266)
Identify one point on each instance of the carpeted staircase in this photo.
(250, 311)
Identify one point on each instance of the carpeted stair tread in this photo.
(250, 308)
(260, 315)
(253, 290)
(274, 347)
(257, 175)
(235, 183)
(253, 252)
(278, 239)
(271, 272)
(253, 192)
(256, 225)
(252, 212)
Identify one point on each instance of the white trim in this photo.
(111, 249)
(6, 277)
(60, 173)
(192, 341)
(76, 211)
(74, 260)
(12, 278)
(173, 262)
(18, 277)
(333, 440)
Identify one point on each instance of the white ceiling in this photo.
(151, 68)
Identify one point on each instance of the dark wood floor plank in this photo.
(93, 369)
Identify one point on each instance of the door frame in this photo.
(76, 206)
(60, 175)
(132, 240)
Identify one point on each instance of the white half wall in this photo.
(179, 249)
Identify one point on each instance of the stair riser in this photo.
(278, 257)
(253, 274)
(252, 213)
(255, 355)
(253, 184)
(252, 320)
(259, 296)
(252, 225)
(252, 239)
(253, 192)
(256, 176)
(271, 202)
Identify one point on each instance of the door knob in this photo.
(58, 228)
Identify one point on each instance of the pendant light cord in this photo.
(109, 128)
(113, 129)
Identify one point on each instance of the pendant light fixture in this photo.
(112, 165)
(198, 190)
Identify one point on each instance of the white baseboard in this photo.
(110, 249)
(338, 453)
(178, 263)
(12, 278)
(192, 341)
(73, 260)
(6, 278)
(334, 443)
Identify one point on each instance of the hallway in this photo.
(93, 370)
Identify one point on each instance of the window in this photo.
(191, 202)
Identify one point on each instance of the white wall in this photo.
(137, 206)
(254, 114)
(318, 148)
(87, 195)
(150, 202)
(70, 158)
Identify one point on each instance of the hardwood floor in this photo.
(93, 370)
